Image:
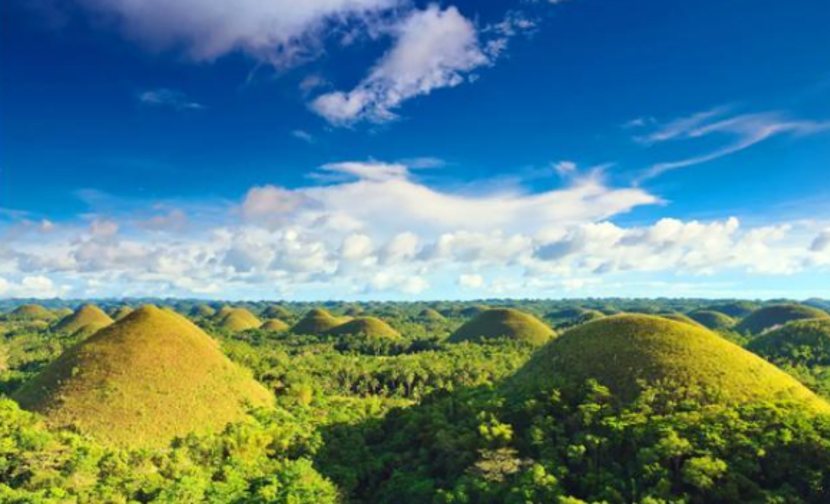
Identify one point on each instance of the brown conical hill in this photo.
(317, 321)
(504, 322)
(202, 310)
(88, 319)
(32, 312)
(368, 326)
(277, 312)
(624, 352)
(143, 381)
(430, 315)
(239, 319)
(274, 325)
(63, 312)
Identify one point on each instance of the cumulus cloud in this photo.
(434, 48)
(471, 281)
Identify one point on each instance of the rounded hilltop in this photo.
(368, 326)
(274, 325)
(504, 322)
(277, 312)
(121, 312)
(679, 317)
(32, 312)
(623, 352)
(430, 315)
(202, 311)
(143, 381)
(318, 321)
(86, 319)
(769, 317)
(713, 319)
(801, 342)
(238, 320)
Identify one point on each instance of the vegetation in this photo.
(394, 408)
(32, 312)
(712, 319)
(142, 381)
(239, 319)
(507, 323)
(86, 319)
(771, 317)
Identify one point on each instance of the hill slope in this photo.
(623, 350)
(32, 312)
(769, 317)
(712, 319)
(504, 322)
(274, 325)
(239, 319)
(802, 342)
(369, 326)
(88, 318)
(317, 321)
(143, 381)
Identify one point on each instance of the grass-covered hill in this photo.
(143, 381)
(32, 312)
(679, 317)
(317, 321)
(277, 312)
(713, 319)
(430, 315)
(626, 352)
(202, 311)
(771, 317)
(87, 319)
(798, 343)
(274, 325)
(734, 309)
(367, 326)
(504, 322)
(239, 319)
(121, 312)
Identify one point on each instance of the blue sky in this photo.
(393, 149)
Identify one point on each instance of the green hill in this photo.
(473, 311)
(802, 342)
(624, 351)
(277, 312)
(223, 312)
(771, 317)
(274, 325)
(143, 381)
(239, 319)
(504, 322)
(121, 312)
(369, 326)
(32, 312)
(430, 315)
(735, 309)
(202, 311)
(679, 317)
(63, 312)
(88, 319)
(353, 311)
(712, 319)
(317, 321)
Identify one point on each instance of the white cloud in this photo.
(303, 135)
(280, 32)
(434, 48)
(743, 131)
(471, 281)
(170, 98)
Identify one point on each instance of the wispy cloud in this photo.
(303, 135)
(169, 98)
(742, 131)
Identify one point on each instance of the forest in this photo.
(496, 401)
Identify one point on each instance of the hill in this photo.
(274, 325)
(317, 321)
(473, 311)
(430, 315)
(798, 343)
(624, 351)
(239, 319)
(143, 381)
(277, 312)
(369, 326)
(121, 312)
(504, 322)
(712, 319)
(770, 317)
(679, 317)
(32, 312)
(202, 311)
(88, 319)
(735, 309)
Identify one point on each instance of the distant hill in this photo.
(88, 319)
(712, 319)
(142, 381)
(369, 326)
(802, 342)
(202, 311)
(625, 351)
(32, 312)
(239, 319)
(274, 325)
(121, 312)
(735, 309)
(277, 312)
(317, 321)
(770, 317)
(679, 317)
(504, 322)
